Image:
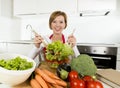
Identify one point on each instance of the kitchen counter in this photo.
(82, 44)
(18, 41)
(26, 84)
(100, 44)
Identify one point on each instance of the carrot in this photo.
(41, 81)
(44, 76)
(57, 86)
(61, 82)
(52, 75)
(34, 83)
(50, 85)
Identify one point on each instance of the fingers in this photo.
(38, 40)
(72, 40)
(72, 44)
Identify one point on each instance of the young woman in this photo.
(57, 23)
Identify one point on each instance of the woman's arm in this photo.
(72, 41)
(38, 47)
(34, 52)
(76, 51)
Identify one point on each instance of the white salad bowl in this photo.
(15, 77)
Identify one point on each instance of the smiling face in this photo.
(58, 24)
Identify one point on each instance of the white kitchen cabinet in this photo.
(32, 7)
(118, 6)
(6, 8)
(96, 5)
(24, 7)
(48, 6)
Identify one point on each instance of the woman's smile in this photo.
(58, 24)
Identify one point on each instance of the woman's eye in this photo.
(54, 21)
(61, 22)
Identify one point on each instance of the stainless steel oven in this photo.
(103, 56)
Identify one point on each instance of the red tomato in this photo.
(77, 83)
(87, 78)
(94, 84)
(72, 75)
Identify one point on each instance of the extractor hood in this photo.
(94, 13)
(96, 7)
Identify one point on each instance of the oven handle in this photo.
(107, 58)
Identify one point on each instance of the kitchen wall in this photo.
(90, 29)
(9, 29)
(9, 26)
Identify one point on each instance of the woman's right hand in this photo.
(38, 40)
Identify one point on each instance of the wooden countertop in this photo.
(27, 85)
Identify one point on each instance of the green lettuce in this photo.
(16, 63)
(58, 51)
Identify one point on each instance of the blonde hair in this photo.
(55, 14)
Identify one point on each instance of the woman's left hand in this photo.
(71, 40)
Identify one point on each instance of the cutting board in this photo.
(110, 77)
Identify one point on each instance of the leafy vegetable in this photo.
(84, 65)
(17, 63)
(58, 51)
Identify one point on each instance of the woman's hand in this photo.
(71, 40)
(38, 40)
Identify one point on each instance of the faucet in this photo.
(27, 26)
(30, 28)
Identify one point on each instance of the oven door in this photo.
(104, 61)
(104, 57)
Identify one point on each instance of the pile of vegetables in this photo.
(16, 63)
(80, 72)
(83, 64)
(58, 52)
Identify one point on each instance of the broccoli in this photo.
(84, 65)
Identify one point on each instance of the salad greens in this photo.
(58, 51)
(16, 63)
